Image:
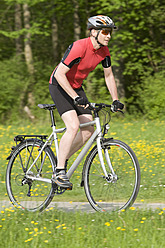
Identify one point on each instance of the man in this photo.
(66, 90)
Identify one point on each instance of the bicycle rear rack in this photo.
(21, 138)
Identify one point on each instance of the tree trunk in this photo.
(77, 29)
(119, 83)
(27, 43)
(29, 61)
(18, 27)
(55, 38)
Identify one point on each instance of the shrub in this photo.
(153, 96)
(13, 80)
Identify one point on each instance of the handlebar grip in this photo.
(93, 105)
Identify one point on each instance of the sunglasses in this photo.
(106, 31)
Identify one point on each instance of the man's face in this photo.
(104, 36)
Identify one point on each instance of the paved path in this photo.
(85, 206)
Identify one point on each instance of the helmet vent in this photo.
(99, 22)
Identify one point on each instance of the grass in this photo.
(54, 228)
(146, 138)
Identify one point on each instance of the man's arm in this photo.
(60, 76)
(111, 85)
(110, 82)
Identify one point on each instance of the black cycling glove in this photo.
(116, 105)
(79, 100)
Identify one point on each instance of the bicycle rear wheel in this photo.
(29, 194)
(115, 192)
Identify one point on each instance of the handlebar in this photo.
(98, 106)
(102, 105)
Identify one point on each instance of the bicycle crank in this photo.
(58, 190)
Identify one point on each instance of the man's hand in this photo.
(116, 105)
(80, 101)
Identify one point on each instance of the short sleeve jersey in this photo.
(82, 58)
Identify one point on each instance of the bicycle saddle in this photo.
(47, 106)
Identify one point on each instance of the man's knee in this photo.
(74, 127)
(87, 133)
(71, 122)
(91, 130)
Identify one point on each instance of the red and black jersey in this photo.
(82, 58)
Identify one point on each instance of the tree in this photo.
(43, 29)
(55, 37)
(18, 27)
(138, 44)
(27, 40)
(76, 21)
(29, 61)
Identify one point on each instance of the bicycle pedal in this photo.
(54, 185)
(69, 188)
(82, 183)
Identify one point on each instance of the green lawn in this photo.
(54, 228)
(146, 138)
(133, 228)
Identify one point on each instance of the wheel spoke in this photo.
(119, 190)
(24, 192)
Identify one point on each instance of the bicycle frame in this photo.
(96, 135)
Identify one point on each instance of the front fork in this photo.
(99, 148)
(110, 177)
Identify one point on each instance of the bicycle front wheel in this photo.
(119, 190)
(30, 194)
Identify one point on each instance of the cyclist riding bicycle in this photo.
(66, 89)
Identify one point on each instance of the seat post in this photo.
(52, 118)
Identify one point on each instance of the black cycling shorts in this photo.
(64, 102)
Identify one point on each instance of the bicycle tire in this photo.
(112, 194)
(28, 194)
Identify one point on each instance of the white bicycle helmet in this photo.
(99, 22)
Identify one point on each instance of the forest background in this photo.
(34, 35)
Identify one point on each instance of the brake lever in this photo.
(114, 111)
(120, 111)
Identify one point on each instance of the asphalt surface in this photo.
(85, 206)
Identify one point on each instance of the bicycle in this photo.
(110, 175)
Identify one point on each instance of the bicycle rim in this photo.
(117, 192)
(31, 195)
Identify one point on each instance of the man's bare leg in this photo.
(70, 142)
(72, 123)
(83, 135)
